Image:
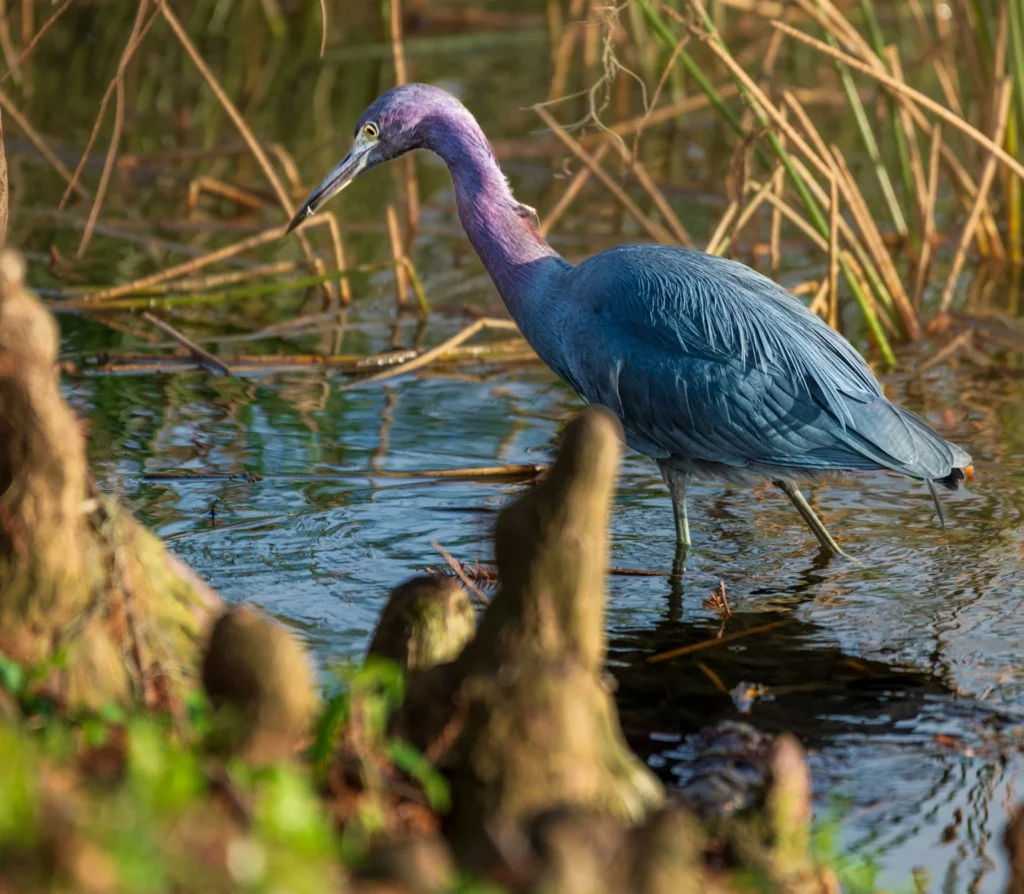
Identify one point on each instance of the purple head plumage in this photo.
(405, 118)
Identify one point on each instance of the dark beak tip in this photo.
(300, 216)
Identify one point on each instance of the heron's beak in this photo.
(346, 171)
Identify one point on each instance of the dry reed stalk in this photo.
(775, 230)
(719, 233)
(839, 26)
(916, 167)
(840, 31)
(246, 133)
(323, 27)
(964, 341)
(771, 54)
(636, 167)
(653, 228)
(37, 140)
(989, 233)
(779, 186)
(6, 43)
(855, 272)
(819, 303)
(34, 42)
(398, 253)
(329, 220)
(291, 170)
(764, 8)
(869, 230)
(795, 106)
(769, 108)
(186, 267)
(526, 148)
(28, 22)
(948, 82)
(725, 242)
(990, 242)
(457, 570)
(845, 257)
(134, 42)
(428, 357)
(216, 187)
(140, 27)
(218, 280)
(1003, 93)
(562, 62)
(203, 357)
(867, 270)
(4, 192)
(928, 228)
(574, 188)
(792, 215)
(910, 93)
(407, 170)
(833, 253)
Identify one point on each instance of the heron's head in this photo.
(393, 124)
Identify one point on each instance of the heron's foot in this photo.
(679, 561)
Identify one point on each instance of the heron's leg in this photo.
(813, 522)
(676, 482)
(681, 517)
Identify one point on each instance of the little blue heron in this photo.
(714, 370)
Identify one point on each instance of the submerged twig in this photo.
(456, 567)
(201, 355)
(435, 353)
(717, 641)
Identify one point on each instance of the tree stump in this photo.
(85, 591)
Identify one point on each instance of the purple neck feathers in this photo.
(503, 232)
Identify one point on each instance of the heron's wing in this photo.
(706, 359)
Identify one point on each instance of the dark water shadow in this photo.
(773, 670)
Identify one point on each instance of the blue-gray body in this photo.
(713, 369)
(717, 371)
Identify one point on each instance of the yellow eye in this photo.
(371, 131)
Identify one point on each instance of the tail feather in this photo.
(937, 459)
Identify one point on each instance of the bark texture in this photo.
(84, 589)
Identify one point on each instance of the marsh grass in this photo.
(880, 142)
(930, 116)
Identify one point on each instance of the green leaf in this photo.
(410, 760)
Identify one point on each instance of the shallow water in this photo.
(881, 658)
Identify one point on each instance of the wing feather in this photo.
(712, 361)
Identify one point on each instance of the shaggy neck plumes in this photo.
(503, 232)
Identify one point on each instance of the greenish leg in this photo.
(682, 525)
(676, 482)
(682, 519)
(813, 522)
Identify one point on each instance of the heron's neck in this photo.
(503, 232)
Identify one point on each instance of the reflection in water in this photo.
(877, 657)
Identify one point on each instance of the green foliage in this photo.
(857, 874)
(148, 817)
